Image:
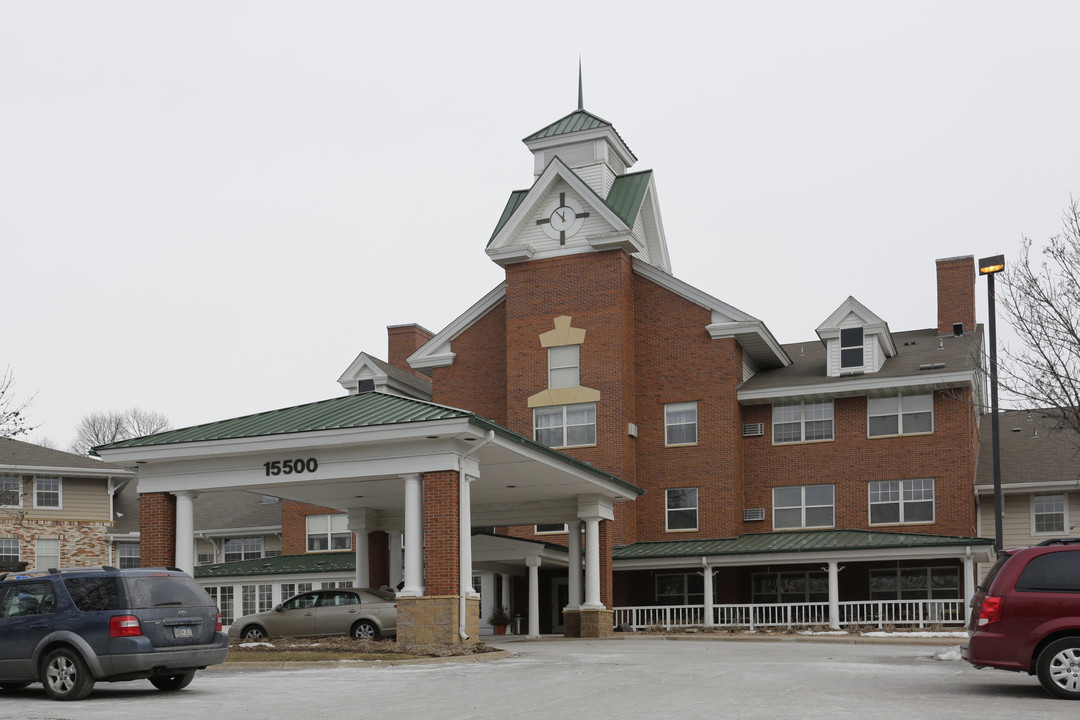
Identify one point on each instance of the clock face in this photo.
(563, 218)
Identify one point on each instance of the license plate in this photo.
(182, 631)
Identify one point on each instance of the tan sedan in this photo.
(363, 613)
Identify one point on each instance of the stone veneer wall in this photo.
(82, 544)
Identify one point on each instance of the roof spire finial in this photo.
(580, 100)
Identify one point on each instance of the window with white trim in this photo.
(289, 590)
(223, 598)
(900, 415)
(680, 589)
(852, 349)
(328, 532)
(246, 548)
(47, 553)
(10, 491)
(565, 425)
(680, 423)
(9, 550)
(48, 492)
(564, 366)
(550, 528)
(915, 583)
(802, 422)
(682, 509)
(803, 506)
(895, 502)
(127, 555)
(1049, 514)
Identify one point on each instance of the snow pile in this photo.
(952, 653)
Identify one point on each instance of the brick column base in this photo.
(431, 620)
(571, 620)
(597, 623)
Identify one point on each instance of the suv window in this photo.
(95, 593)
(151, 591)
(28, 599)
(1052, 572)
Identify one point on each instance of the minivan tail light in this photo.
(217, 627)
(990, 612)
(124, 626)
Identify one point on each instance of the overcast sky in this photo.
(208, 209)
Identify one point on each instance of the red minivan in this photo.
(1026, 616)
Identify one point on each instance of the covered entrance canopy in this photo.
(392, 463)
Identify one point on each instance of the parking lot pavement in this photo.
(601, 679)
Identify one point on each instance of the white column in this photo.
(834, 595)
(573, 572)
(708, 572)
(534, 595)
(414, 536)
(592, 565)
(185, 531)
(362, 577)
(395, 558)
(969, 585)
(506, 592)
(465, 535)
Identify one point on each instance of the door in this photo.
(560, 594)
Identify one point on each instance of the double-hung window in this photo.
(1048, 514)
(682, 509)
(563, 366)
(9, 550)
(328, 532)
(47, 492)
(10, 491)
(900, 415)
(247, 548)
(565, 425)
(47, 553)
(680, 589)
(802, 422)
(895, 502)
(852, 354)
(127, 555)
(680, 423)
(803, 506)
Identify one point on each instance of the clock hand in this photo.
(561, 216)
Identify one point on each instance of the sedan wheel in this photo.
(365, 630)
(1059, 668)
(254, 632)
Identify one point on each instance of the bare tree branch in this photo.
(106, 427)
(13, 420)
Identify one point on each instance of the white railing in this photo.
(869, 613)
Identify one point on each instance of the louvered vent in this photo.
(753, 514)
(753, 429)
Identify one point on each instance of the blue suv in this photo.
(68, 629)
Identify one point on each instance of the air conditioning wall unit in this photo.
(753, 514)
(753, 429)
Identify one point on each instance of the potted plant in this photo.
(499, 618)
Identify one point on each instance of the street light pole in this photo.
(991, 266)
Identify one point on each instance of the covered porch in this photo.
(830, 579)
(419, 473)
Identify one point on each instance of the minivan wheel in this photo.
(254, 632)
(170, 683)
(1058, 668)
(365, 630)
(65, 675)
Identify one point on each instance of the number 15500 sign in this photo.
(291, 467)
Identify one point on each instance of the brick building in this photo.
(719, 475)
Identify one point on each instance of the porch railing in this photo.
(870, 613)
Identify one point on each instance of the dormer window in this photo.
(851, 348)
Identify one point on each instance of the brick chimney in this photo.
(403, 341)
(956, 294)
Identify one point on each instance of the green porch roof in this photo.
(350, 411)
(327, 562)
(792, 542)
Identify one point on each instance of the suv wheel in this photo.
(1058, 668)
(65, 675)
(170, 683)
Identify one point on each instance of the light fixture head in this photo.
(991, 265)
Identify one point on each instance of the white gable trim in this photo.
(871, 323)
(437, 352)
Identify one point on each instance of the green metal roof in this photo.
(792, 542)
(574, 122)
(511, 205)
(350, 411)
(282, 565)
(626, 194)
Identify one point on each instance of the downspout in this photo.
(465, 536)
